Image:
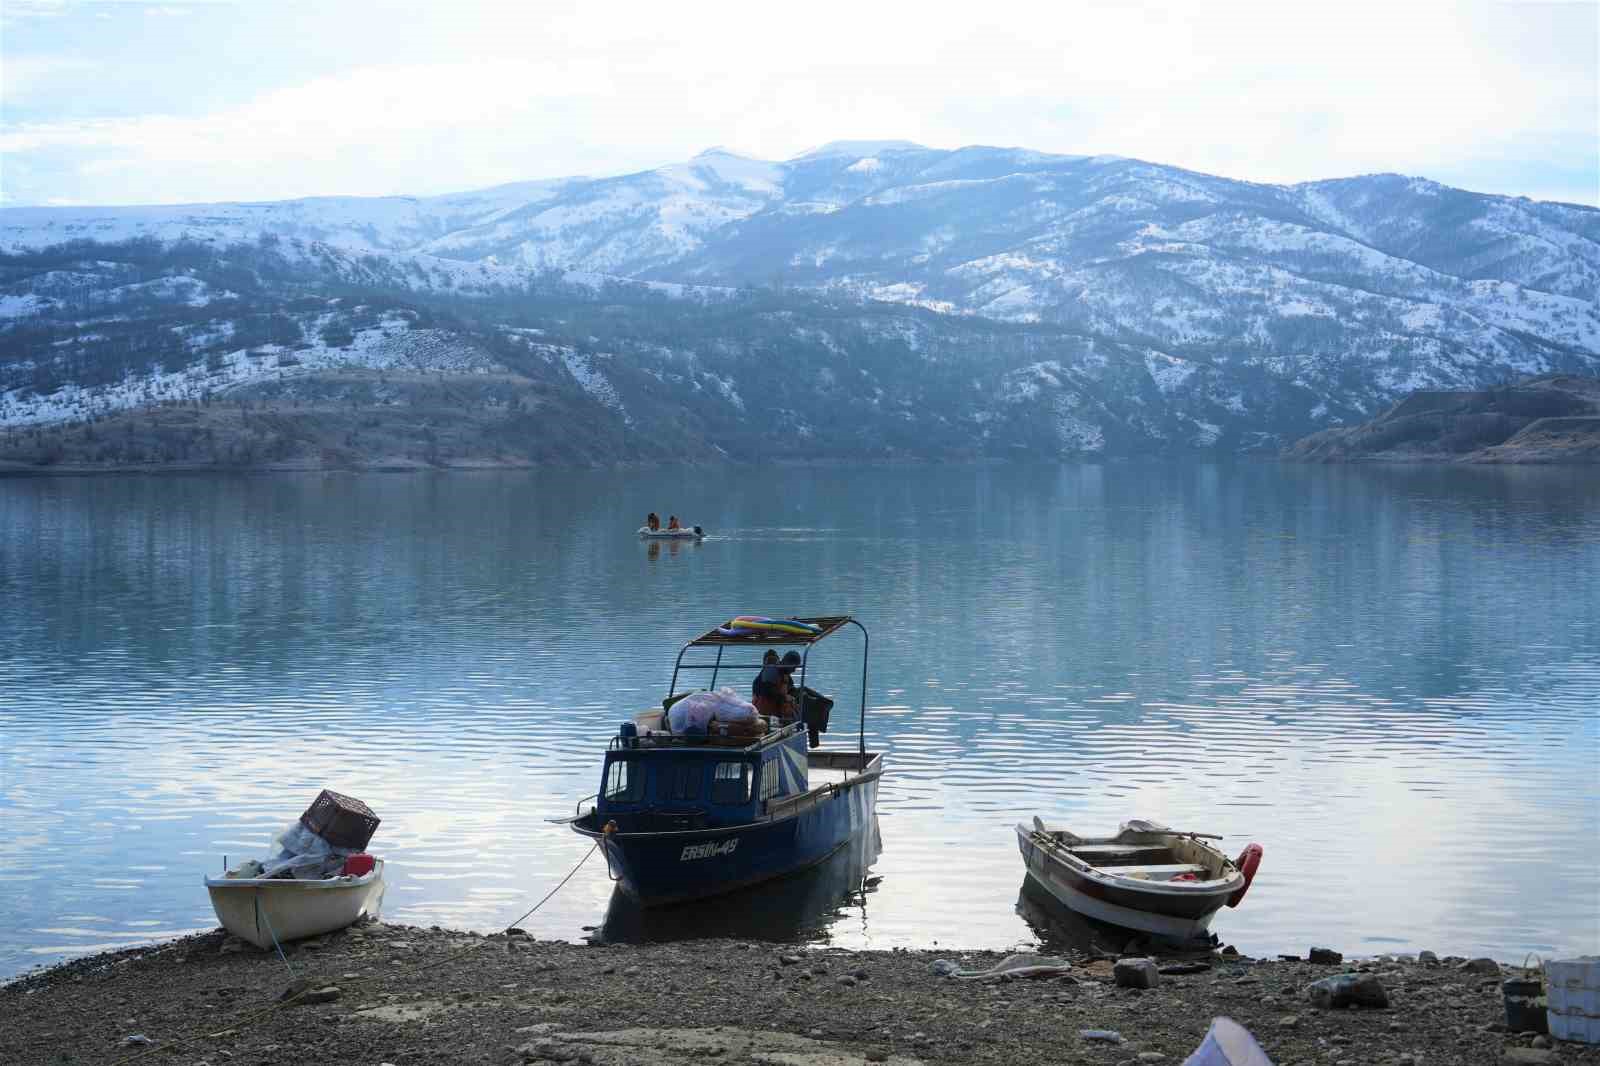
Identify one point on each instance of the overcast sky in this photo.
(161, 103)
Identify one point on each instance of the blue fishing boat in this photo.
(795, 908)
(685, 815)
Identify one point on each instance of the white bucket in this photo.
(1572, 987)
(1228, 1043)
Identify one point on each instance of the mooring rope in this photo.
(262, 914)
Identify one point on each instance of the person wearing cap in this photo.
(773, 690)
(769, 659)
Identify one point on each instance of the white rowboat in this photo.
(1146, 877)
(261, 909)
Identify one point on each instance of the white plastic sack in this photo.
(695, 712)
(1017, 967)
(1228, 1043)
(304, 854)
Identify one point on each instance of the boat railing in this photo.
(845, 760)
(789, 805)
(704, 740)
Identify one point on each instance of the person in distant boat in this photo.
(672, 524)
(652, 522)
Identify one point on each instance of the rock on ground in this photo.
(1136, 973)
(1348, 990)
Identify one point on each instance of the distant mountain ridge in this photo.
(1204, 312)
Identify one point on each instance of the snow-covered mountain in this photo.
(1243, 311)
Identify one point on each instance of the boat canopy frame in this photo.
(827, 625)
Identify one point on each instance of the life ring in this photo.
(1248, 860)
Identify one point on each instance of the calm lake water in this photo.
(1387, 676)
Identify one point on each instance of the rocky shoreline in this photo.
(409, 996)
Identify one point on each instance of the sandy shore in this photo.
(410, 996)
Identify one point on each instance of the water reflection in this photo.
(1062, 931)
(802, 907)
(653, 548)
(1388, 676)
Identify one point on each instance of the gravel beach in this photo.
(407, 996)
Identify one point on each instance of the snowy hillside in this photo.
(1124, 305)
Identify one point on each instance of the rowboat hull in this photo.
(261, 909)
(1174, 911)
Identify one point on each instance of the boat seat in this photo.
(1110, 854)
(1162, 872)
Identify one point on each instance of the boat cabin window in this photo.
(771, 778)
(624, 781)
(683, 781)
(731, 783)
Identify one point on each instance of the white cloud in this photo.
(428, 100)
(24, 79)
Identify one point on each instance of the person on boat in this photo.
(774, 688)
(652, 522)
(758, 683)
(672, 524)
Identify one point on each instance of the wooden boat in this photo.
(258, 909)
(686, 533)
(1146, 877)
(682, 817)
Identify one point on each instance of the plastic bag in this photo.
(301, 854)
(694, 712)
(1228, 1043)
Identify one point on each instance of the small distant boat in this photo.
(1146, 877)
(258, 909)
(686, 533)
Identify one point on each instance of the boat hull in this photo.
(785, 909)
(657, 869)
(1179, 917)
(259, 909)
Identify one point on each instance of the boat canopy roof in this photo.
(826, 625)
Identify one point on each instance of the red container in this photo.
(358, 865)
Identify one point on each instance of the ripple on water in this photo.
(1359, 676)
